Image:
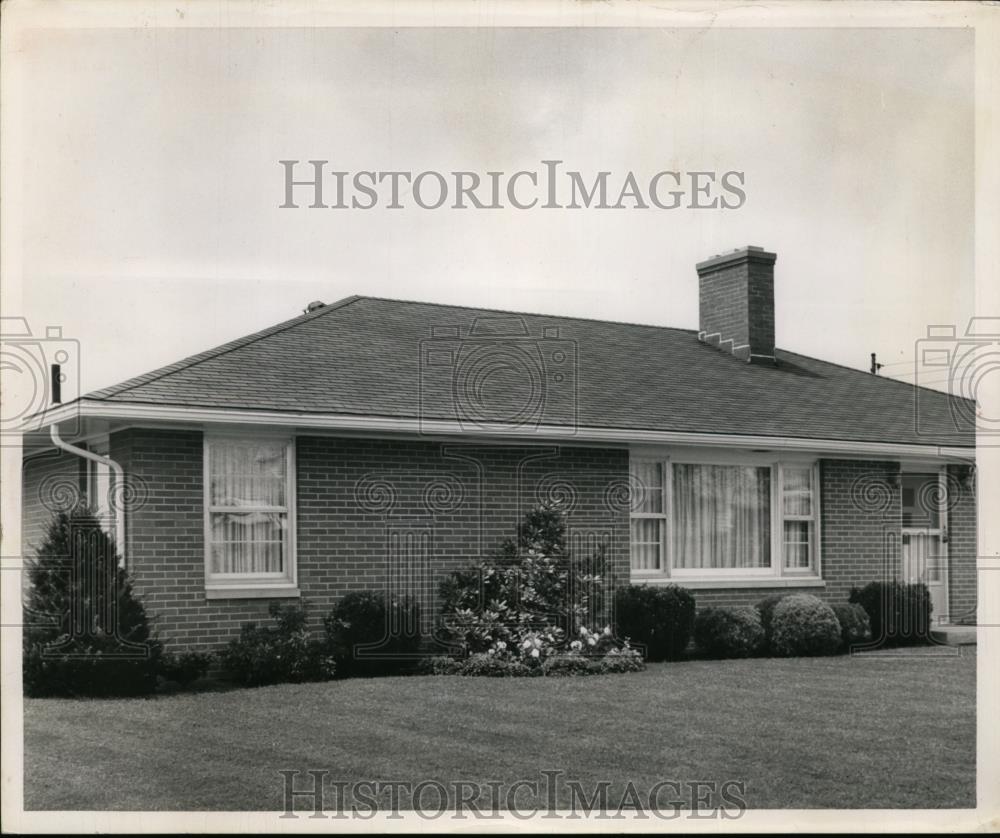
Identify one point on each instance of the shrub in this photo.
(728, 632)
(855, 628)
(804, 625)
(439, 665)
(529, 599)
(88, 633)
(369, 634)
(569, 665)
(766, 610)
(660, 619)
(284, 652)
(899, 613)
(185, 668)
(620, 660)
(493, 665)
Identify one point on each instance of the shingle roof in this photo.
(389, 358)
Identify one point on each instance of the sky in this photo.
(151, 220)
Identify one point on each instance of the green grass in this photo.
(802, 733)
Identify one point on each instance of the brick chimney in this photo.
(736, 303)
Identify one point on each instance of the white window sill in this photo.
(252, 592)
(755, 582)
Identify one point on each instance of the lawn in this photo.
(802, 733)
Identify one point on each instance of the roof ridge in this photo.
(217, 351)
(530, 314)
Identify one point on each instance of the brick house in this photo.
(374, 443)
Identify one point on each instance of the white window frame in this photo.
(775, 575)
(812, 518)
(663, 517)
(252, 585)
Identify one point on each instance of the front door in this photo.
(925, 537)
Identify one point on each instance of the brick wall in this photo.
(861, 507)
(398, 514)
(962, 544)
(357, 502)
(52, 480)
(736, 299)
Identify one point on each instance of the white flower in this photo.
(534, 653)
(607, 630)
(576, 645)
(526, 644)
(591, 641)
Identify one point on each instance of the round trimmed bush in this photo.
(660, 619)
(804, 625)
(729, 632)
(766, 610)
(855, 628)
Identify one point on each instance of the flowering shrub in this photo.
(494, 667)
(555, 664)
(625, 659)
(529, 603)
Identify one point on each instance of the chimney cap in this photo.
(750, 253)
(313, 306)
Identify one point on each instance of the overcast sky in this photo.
(152, 189)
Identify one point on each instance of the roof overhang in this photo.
(107, 415)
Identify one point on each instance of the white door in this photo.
(925, 548)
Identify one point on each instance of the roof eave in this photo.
(134, 413)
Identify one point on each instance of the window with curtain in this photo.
(649, 516)
(722, 521)
(722, 517)
(248, 508)
(798, 504)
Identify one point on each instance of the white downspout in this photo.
(119, 474)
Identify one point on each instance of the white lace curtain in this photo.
(722, 516)
(249, 513)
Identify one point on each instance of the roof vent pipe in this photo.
(56, 379)
(313, 306)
